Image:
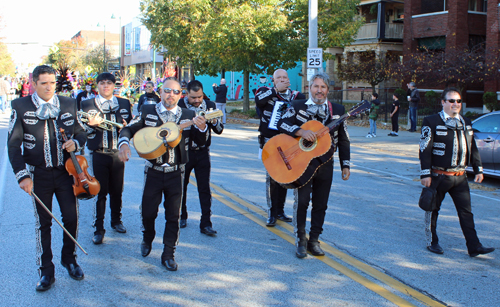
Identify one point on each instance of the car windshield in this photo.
(489, 124)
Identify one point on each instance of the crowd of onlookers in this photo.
(12, 88)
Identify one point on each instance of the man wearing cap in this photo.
(103, 147)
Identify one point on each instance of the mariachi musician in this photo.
(165, 174)
(39, 167)
(103, 147)
(317, 107)
(199, 158)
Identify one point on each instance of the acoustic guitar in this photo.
(292, 161)
(152, 142)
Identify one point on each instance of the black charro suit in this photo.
(199, 161)
(164, 175)
(446, 149)
(105, 163)
(42, 159)
(265, 99)
(319, 185)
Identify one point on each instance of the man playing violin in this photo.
(199, 158)
(165, 174)
(317, 107)
(39, 167)
(103, 147)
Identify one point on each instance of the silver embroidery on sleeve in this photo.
(425, 138)
(28, 145)
(439, 145)
(22, 173)
(290, 112)
(29, 137)
(438, 152)
(425, 172)
(12, 122)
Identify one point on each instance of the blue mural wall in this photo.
(234, 82)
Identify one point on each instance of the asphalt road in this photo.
(373, 236)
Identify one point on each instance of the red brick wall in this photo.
(477, 24)
(458, 34)
(429, 26)
(492, 41)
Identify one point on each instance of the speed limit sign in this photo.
(314, 58)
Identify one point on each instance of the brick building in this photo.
(441, 24)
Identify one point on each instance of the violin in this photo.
(85, 186)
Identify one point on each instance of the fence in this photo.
(385, 98)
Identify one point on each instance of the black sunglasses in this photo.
(454, 100)
(169, 90)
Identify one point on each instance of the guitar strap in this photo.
(331, 108)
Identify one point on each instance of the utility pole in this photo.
(314, 54)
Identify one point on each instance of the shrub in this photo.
(432, 99)
(490, 101)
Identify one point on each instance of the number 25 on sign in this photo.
(314, 57)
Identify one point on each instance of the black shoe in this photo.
(271, 221)
(45, 283)
(74, 270)
(481, 250)
(170, 264)
(119, 228)
(284, 218)
(183, 223)
(435, 248)
(209, 231)
(97, 239)
(315, 249)
(145, 249)
(301, 251)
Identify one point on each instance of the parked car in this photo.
(487, 135)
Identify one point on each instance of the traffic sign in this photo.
(314, 58)
(88, 69)
(54, 49)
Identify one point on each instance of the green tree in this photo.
(95, 58)
(7, 66)
(69, 53)
(242, 35)
(367, 67)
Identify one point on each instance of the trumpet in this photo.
(106, 124)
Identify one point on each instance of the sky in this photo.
(47, 22)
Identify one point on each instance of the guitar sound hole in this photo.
(163, 133)
(307, 144)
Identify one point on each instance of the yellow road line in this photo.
(389, 281)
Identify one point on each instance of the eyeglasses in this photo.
(454, 100)
(169, 90)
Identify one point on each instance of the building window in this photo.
(478, 5)
(477, 41)
(432, 6)
(436, 43)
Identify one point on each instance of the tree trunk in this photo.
(191, 75)
(246, 96)
(223, 73)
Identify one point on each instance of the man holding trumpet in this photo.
(105, 113)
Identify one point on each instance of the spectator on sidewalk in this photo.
(413, 99)
(4, 91)
(220, 97)
(373, 116)
(394, 115)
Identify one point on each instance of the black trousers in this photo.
(319, 187)
(109, 171)
(275, 196)
(46, 183)
(458, 188)
(199, 161)
(169, 185)
(395, 123)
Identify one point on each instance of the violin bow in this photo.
(50, 213)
